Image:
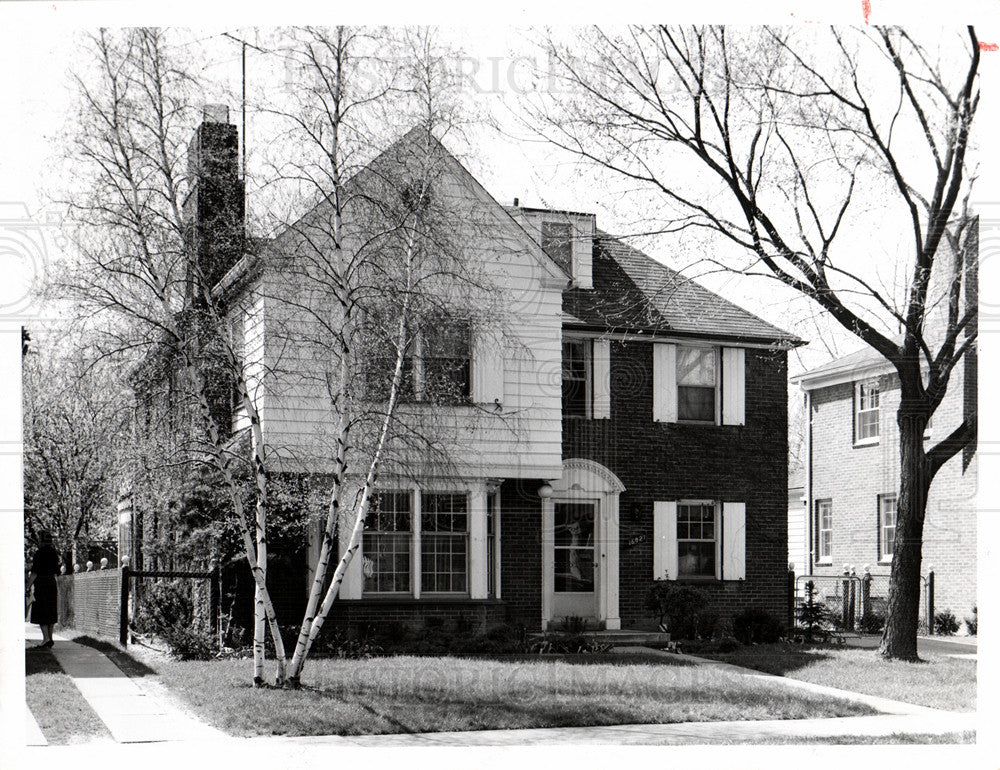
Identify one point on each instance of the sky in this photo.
(37, 43)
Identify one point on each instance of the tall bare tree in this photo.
(135, 276)
(776, 142)
(371, 269)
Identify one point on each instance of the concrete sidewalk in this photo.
(133, 710)
(657, 735)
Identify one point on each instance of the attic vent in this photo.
(557, 242)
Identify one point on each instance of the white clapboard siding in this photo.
(487, 366)
(734, 535)
(665, 540)
(522, 439)
(664, 382)
(602, 379)
(733, 386)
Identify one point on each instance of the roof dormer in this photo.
(568, 239)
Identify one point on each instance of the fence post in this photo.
(123, 607)
(930, 601)
(845, 602)
(853, 616)
(866, 594)
(215, 601)
(791, 595)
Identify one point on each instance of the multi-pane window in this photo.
(696, 540)
(557, 242)
(444, 543)
(576, 364)
(387, 542)
(446, 352)
(866, 410)
(824, 529)
(697, 383)
(573, 547)
(886, 526)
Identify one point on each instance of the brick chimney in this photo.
(214, 207)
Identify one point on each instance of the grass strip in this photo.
(61, 711)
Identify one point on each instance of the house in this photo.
(852, 473)
(613, 422)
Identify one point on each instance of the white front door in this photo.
(574, 559)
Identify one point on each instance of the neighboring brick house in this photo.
(648, 437)
(852, 478)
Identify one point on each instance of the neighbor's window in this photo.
(824, 530)
(387, 542)
(696, 539)
(886, 526)
(866, 400)
(444, 543)
(576, 362)
(557, 242)
(697, 383)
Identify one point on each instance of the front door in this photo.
(574, 560)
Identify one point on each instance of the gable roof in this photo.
(864, 362)
(634, 292)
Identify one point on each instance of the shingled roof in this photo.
(634, 292)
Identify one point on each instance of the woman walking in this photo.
(44, 568)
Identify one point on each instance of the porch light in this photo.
(545, 491)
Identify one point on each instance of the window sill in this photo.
(424, 599)
(884, 562)
(866, 442)
(824, 563)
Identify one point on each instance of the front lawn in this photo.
(936, 681)
(415, 694)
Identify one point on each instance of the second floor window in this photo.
(445, 352)
(824, 530)
(576, 363)
(866, 412)
(697, 383)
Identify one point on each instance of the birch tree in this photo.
(375, 263)
(134, 276)
(775, 143)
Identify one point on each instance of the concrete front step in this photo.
(620, 637)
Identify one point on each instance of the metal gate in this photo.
(851, 599)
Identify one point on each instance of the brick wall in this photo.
(473, 614)
(521, 551)
(90, 602)
(853, 477)
(659, 461)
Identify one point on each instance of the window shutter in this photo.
(734, 534)
(733, 386)
(602, 379)
(665, 540)
(664, 382)
(487, 367)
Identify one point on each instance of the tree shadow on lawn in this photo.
(779, 659)
(129, 665)
(40, 662)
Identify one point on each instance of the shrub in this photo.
(972, 624)
(682, 606)
(757, 626)
(813, 613)
(945, 623)
(873, 622)
(166, 611)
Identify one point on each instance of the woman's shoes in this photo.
(45, 645)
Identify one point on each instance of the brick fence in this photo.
(90, 602)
